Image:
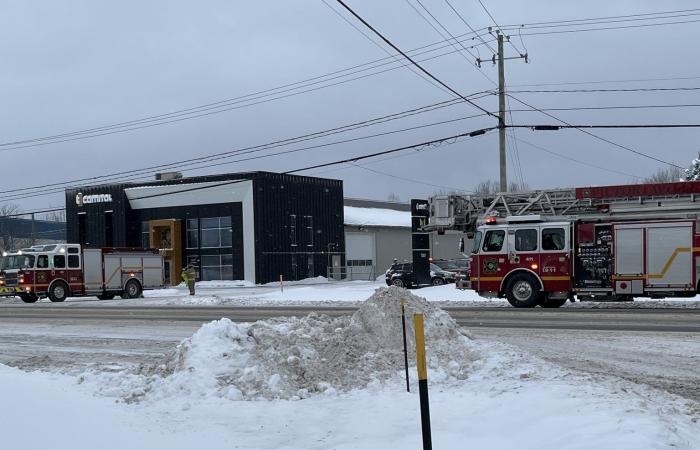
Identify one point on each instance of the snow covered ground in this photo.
(336, 383)
(319, 291)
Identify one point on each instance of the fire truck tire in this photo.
(132, 289)
(29, 298)
(552, 302)
(523, 291)
(58, 291)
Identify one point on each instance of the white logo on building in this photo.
(81, 199)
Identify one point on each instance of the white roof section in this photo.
(377, 217)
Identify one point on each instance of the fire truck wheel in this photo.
(29, 298)
(58, 291)
(132, 289)
(553, 302)
(523, 291)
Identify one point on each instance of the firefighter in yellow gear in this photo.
(188, 276)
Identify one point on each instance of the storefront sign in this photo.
(81, 199)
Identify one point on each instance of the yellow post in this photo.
(422, 381)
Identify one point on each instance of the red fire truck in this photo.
(602, 243)
(58, 271)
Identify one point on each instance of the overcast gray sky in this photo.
(73, 65)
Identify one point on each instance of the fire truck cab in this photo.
(58, 271)
(524, 259)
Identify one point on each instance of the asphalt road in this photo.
(625, 319)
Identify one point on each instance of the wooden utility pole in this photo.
(502, 114)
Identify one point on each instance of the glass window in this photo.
(217, 267)
(293, 229)
(477, 242)
(493, 241)
(192, 238)
(526, 240)
(42, 262)
(211, 238)
(209, 222)
(553, 239)
(225, 221)
(226, 237)
(192, 224)
(59, 261)
(309, 230)
(73, 261)
(145, 234)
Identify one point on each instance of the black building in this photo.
(251, 226)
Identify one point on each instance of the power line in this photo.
(600, 138)
(606, 20)
(627, 126)
(295, 150)
(410, 180)
(469, 26)
(610, 107)
(499, 28)
(215, 108)
(396, 57)
(637, 80)
(391, 44)
(574, 159)
(570, 91)
(541, 33)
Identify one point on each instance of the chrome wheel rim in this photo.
(59, 292)
(132, 289)
(522, 291)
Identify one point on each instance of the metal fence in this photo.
(352, 273)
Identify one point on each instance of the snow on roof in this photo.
(377, 217)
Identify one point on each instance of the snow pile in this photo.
(292, 358)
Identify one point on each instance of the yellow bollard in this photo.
(422, 381)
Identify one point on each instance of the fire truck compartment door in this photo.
(113, 272)
(669, 254)
(629, 251)
(92, 268)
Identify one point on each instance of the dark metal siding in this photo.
(276, 197)
(95, 215)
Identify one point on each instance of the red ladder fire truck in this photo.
(595, 243)
(58, 271)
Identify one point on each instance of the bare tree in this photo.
(492, 187)
(393, 197)
(7, 240)
(666, 175)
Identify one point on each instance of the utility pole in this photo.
(502, 114)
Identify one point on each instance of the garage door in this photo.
(359, 256)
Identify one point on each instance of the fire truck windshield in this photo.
(477, 242)
(17, 262)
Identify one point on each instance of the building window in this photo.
(192, 233)
(217, 267)
(309, 229)
(293, 229)
(359, 262)
(215, 232)
(145, 234)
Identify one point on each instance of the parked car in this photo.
(402, 275)
(459, 266)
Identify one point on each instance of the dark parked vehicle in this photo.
(458, 266)
(401, 275)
